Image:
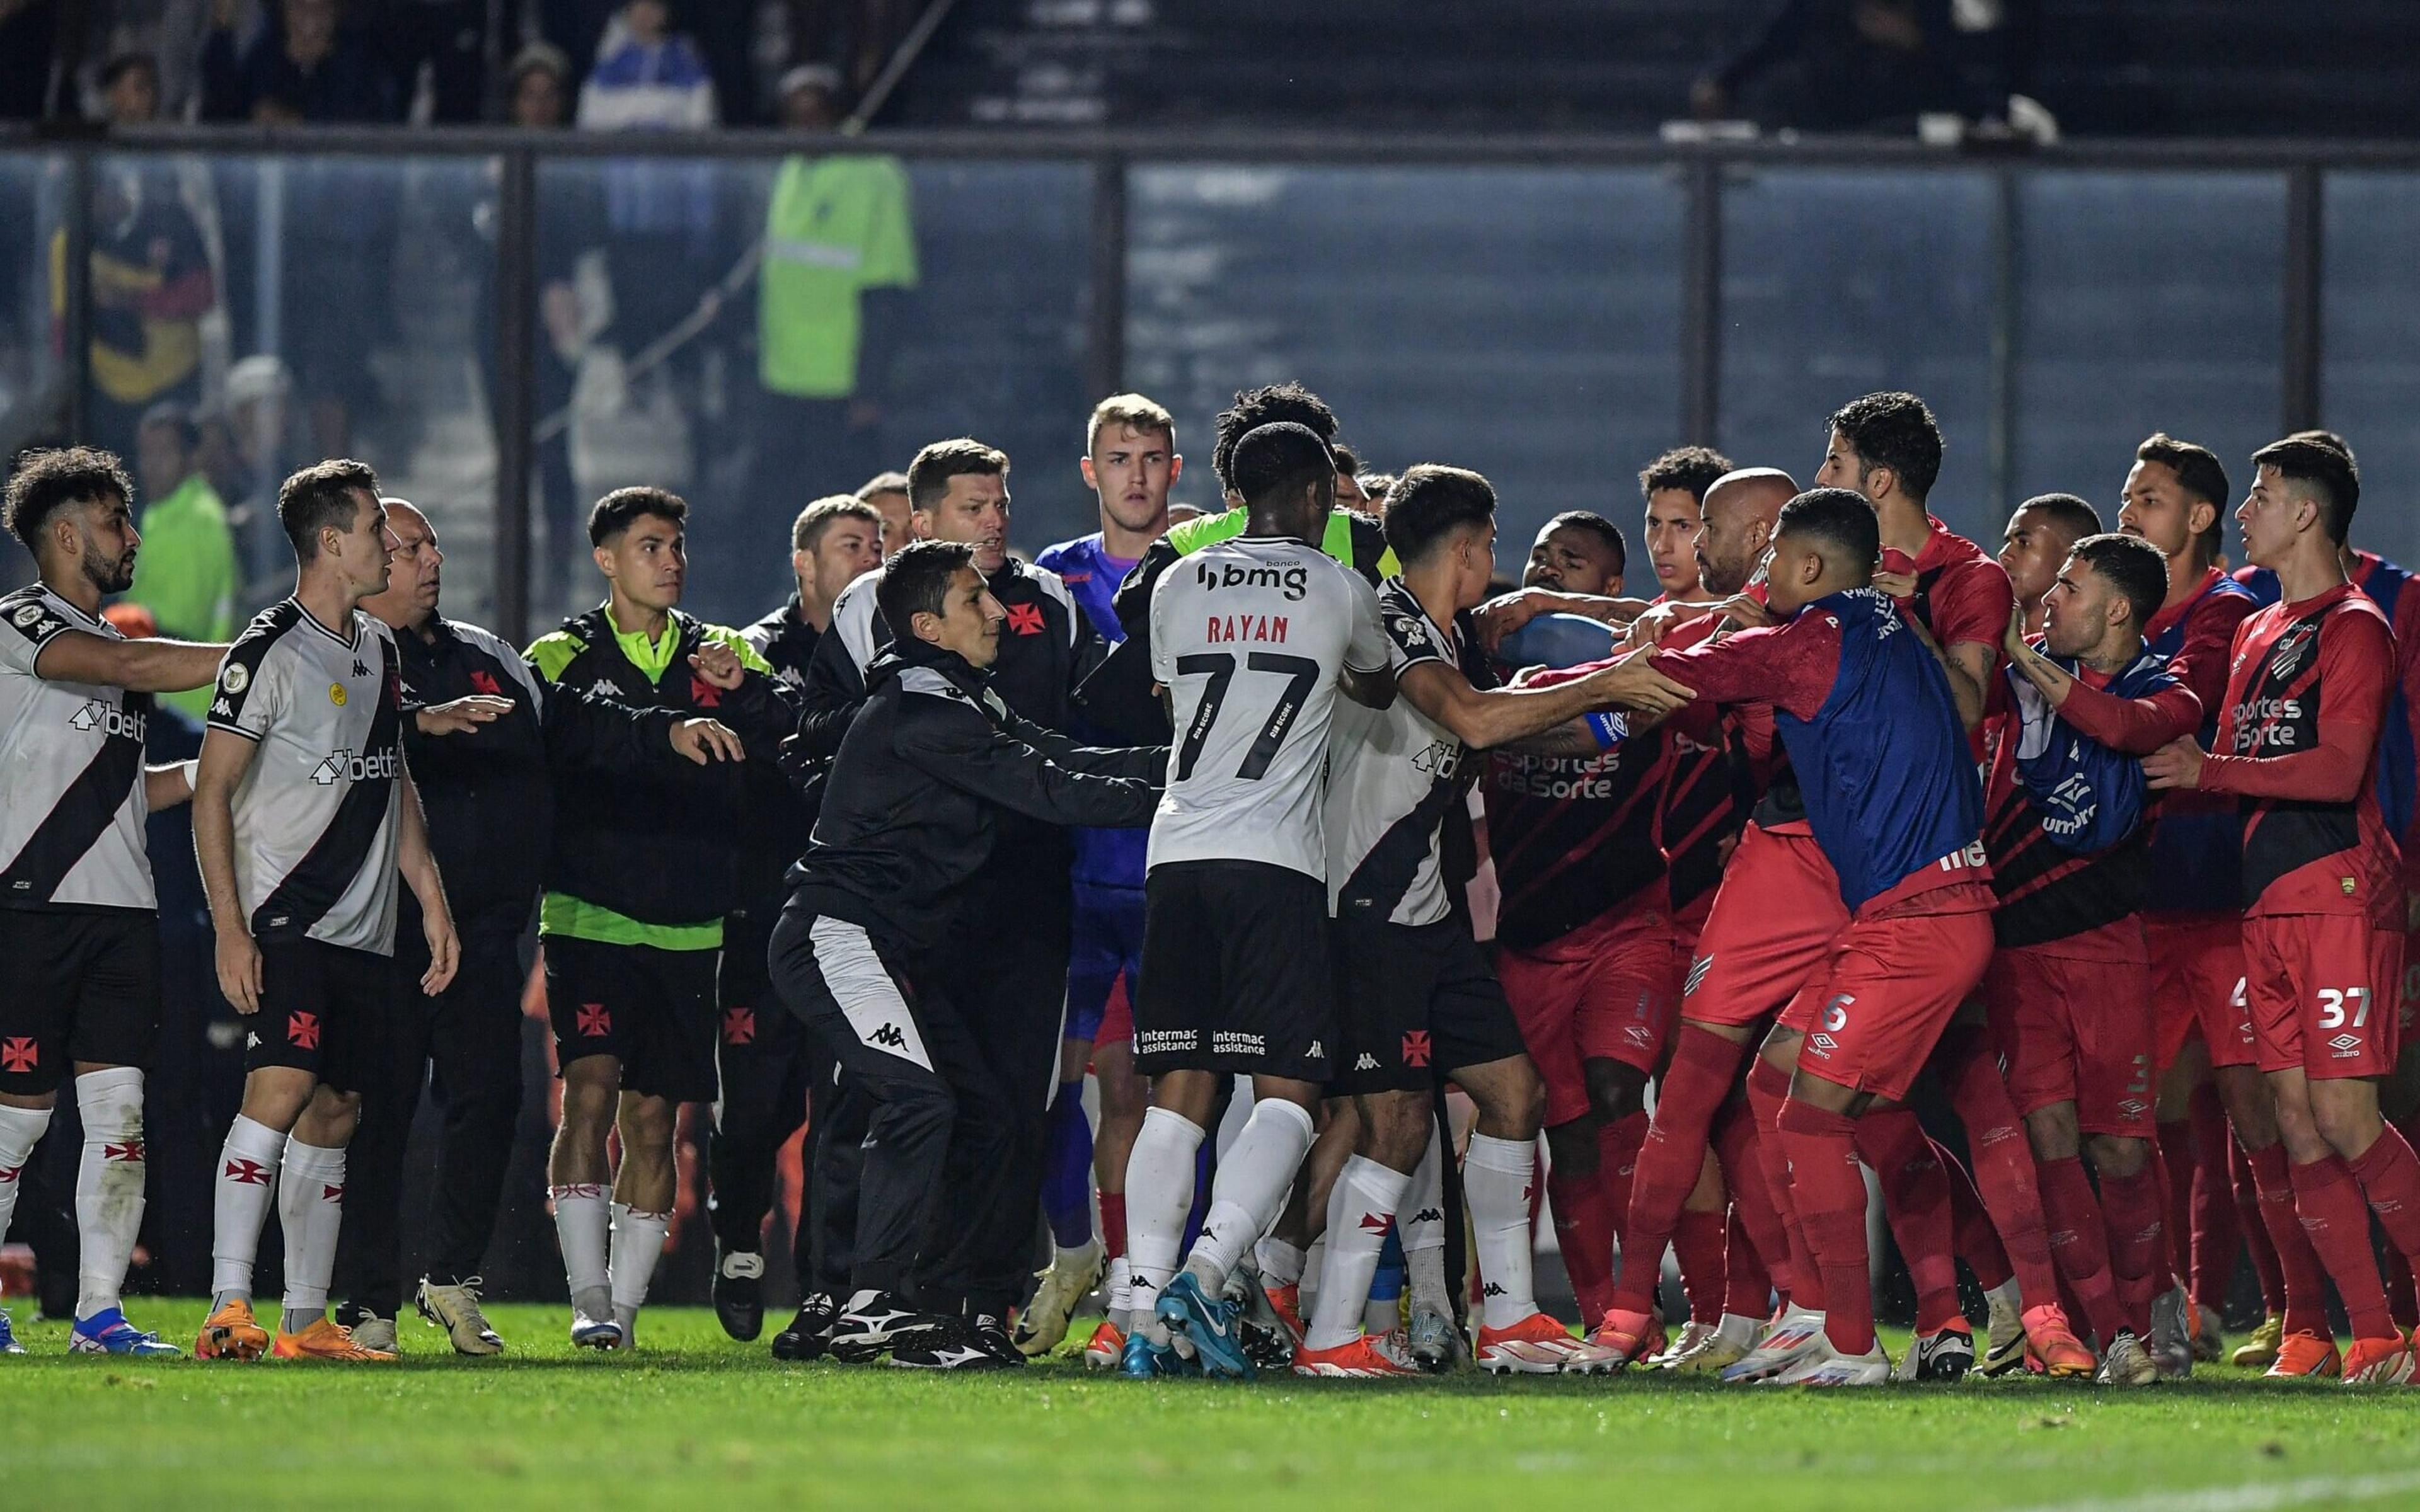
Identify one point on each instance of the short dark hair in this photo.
(1430, 503)
(169, 412)
(2330, 438)
(1893, 430)
(125, 63)
(1377, 487)
(916, 580)
(48, 480)
(2072, 513)
(1255, 407)
(1838, 518)
(1348, 462)
(2323, 466)
(807, 530)
(2133, 565)
(321, 496)
(622, 508)
(929, 474)
(882, 483)
(1598, 526)
(1691, 467)
(1281, 459)
(2198, 472)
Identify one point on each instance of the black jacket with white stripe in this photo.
(931, 764)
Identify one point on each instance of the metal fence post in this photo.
(2305, 234)
(1701, 302)
(75, 317)
(516, 397)
(1104, 355)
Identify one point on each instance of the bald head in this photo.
(1741, 510)
(413, 578)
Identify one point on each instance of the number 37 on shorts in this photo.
(2312, 989)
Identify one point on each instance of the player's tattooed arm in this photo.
(1965, 665)
(2046, 675)
(152, 666)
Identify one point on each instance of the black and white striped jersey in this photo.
(72, 804)
(316, 827)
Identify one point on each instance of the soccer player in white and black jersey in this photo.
(303, 815)
(1251, 639)
(1415, 998)
(79, 922)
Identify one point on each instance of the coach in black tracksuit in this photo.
(1013, 978)
(488, 795)
(921, 802)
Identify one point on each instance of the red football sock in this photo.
(1743, 1151)
(2217, 1225)
(2137, 1247)
(1747, 1285)
(1916, 1198)
(1979, 1242)
(2079, 1243)
(2390, 1179)
(1822, 1149)
(1698, 1245)
(1113, 1223)
(1584, 1228)
(2251, 1219)
(1768, 1089)
(1617, 1166)
(1704, 1066)
(2177, 1156)
(2328, 1201)
(2004, 1168)
(2302, 1282)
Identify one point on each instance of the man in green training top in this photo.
(840, 259)
(645, 867)
(188, 577)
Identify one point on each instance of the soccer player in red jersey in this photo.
(2308, 694)
(2040, 533)
(2069, 991)
(1585, 946)
(2175, 497)
(1863, 703)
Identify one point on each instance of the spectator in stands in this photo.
(570, 225)
(130, 89)
(646, 76)
(185, 574)
(297, 66)
(540, 87)
(1839, 64)
(245, 452)
(151, 285)
(840, 261)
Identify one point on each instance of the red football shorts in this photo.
(1117, 1017)
(1607, 991)
(1775, 920)
(1895, 980)
(2322, 990)
(2197, 984)
(2076, 1027)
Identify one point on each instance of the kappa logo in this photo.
(1697, 970)
(1415, 1047)
(603, 688)
(247, 1173)
(1316, 1052)
(739, 1025)
(1025, 618)
(304, 1030)
(221, 709)
(1367, 1062)
(1429, 1215)
(1493, 1289)
(889, 1037)
(359, 671)
(594, 1022)
(19, 1053)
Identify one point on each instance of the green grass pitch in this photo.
(695, 1423)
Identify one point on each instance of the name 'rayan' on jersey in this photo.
(1249, 637)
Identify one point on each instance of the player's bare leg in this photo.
(580, 1182)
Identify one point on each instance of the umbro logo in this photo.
(2346, 1046)
(889, 1036)
(1367, 1062)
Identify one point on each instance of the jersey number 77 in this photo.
(1301, 675)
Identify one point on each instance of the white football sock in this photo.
(638, 1243)
(1360, 1206)
(1120, 1288)
(1282, 1264)
(109, 1184)
(582, 1221)
(311, 1206)
(247, 1179)
(1160, 1192)
(1496, 1177)
(20, 1130)
(1250, 1188)
(1422, 1222)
